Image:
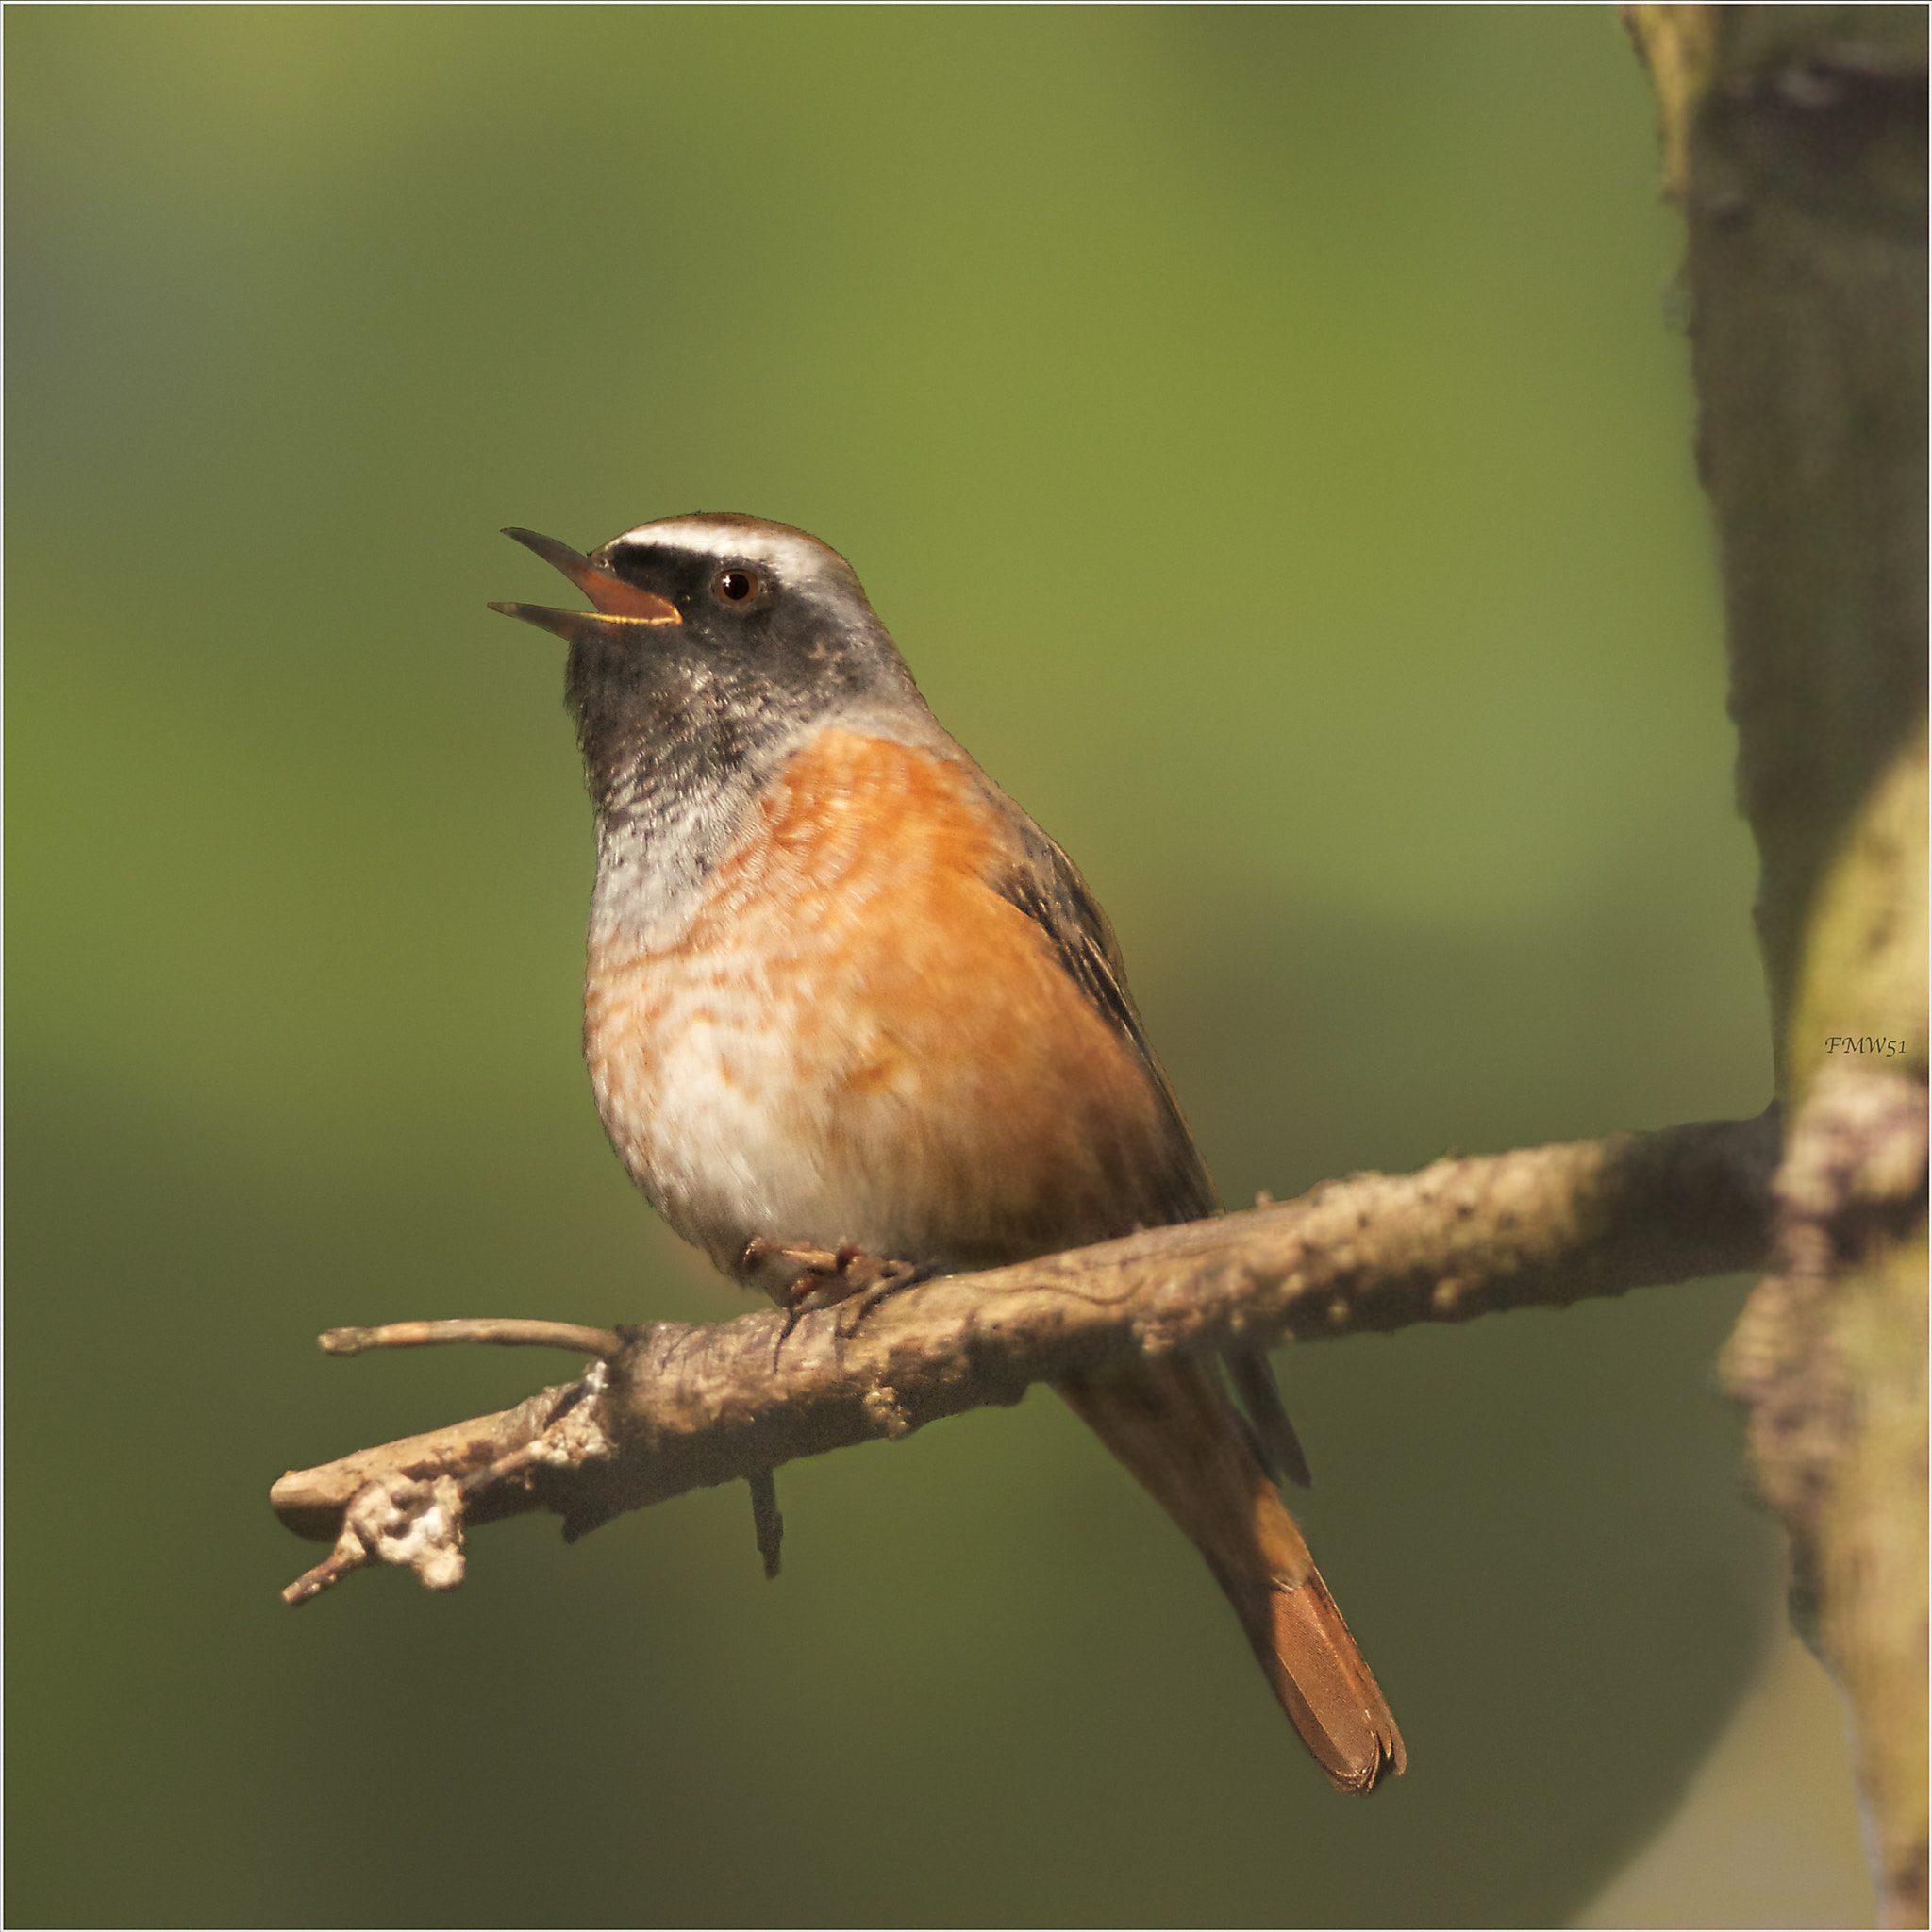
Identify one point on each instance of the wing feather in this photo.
(1044, 884)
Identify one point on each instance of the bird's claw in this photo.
(802, 1278)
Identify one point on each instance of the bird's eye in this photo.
(735, 586)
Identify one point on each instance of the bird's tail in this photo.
(1174, 1427)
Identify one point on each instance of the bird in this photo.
(851, 1018)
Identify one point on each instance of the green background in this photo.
(1264, 432)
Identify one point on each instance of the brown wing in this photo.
(1046, 885)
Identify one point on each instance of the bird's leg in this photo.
(860, 1273)
(791, 1273)
(801, 1278)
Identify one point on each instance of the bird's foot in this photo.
(802, 1278)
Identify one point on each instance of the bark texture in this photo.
(1795, 143)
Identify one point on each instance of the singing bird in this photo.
(849, 1010)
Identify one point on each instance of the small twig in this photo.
(478, 1481)
(767, 1524)
(502, 1331)
(331, 1570)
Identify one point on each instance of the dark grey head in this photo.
(719, 644)
(714, 639)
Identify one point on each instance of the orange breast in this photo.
(858, 1038)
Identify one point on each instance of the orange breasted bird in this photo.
(849, 1011)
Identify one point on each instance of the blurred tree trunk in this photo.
(1795, 143)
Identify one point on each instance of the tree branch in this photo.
(679, 1407)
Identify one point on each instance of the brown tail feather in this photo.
(1173, 1428)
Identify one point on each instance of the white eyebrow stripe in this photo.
(779, 548)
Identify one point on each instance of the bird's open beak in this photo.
(622, 607)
